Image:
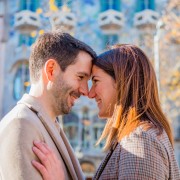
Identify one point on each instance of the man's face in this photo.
(71, 84)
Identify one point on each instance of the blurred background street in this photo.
(154, 25)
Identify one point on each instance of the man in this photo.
(60, 67)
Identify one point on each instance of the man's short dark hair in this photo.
(55, 45)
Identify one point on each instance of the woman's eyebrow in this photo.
(94, 77)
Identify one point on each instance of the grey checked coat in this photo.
(141, 156)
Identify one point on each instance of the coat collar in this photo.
(56, 134)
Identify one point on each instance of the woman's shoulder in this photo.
(152, 133)
(144, 145)
(148, 148)
(141, 137)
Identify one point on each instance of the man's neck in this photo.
(43, 99)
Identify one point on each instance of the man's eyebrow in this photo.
(83, 74)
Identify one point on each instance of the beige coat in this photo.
(27, 122)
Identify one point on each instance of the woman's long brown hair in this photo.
(137, 93)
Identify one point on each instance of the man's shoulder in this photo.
(19, 114)
(19, 126)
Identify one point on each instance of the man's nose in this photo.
(92, 93)
(84, 90)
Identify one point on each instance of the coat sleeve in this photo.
(16, 151)
(143, 157)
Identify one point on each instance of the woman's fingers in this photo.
(49, 166)
(41, 169)
(42, 146)
(42, 156)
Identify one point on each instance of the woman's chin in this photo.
(103, 116)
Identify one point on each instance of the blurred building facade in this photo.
(99, 24)
(3, 40)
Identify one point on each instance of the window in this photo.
(21, 81)
(179, 158)
(116, 5)
(110, 4)
(71, 128)
(1, 8)
(98, 126)
(145, 4)
(25, 40)
(28, 5)
(58, 3)
(86, 123)
(110, 39)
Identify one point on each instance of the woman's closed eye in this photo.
(94, 81)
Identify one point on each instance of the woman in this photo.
(138, 136)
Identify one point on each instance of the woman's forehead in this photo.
(96, 69)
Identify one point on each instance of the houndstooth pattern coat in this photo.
(141, 156)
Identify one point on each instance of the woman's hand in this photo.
(50, 166)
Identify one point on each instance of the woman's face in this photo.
(104, 92)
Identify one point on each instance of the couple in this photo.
(139, 141)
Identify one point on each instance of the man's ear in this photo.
(51, 68)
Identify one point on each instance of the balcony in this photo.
(27, 21)
(111, 21)
(146, 19)
(63, 20)
(22, 53)
(177, 135)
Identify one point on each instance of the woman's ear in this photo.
(51, 69)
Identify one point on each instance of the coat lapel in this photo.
(63, 147)
(60, 145)
(74, 160)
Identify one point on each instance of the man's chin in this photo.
(67, 111)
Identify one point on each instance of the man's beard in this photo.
(60, 95)
(60, 92)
